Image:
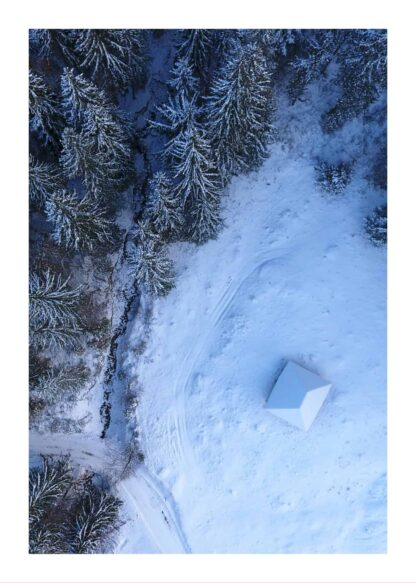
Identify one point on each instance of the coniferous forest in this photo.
(136, 138)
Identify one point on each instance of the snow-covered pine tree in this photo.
(50, 386)
(115, 59)
(78, 93)
(79, 160)
(239, 110)
(317, 48)
(164, 207)
(45, 540)
(376, 226)
(52, 299)
(44, 113)
(362, 75)
(198, 183)
(44, 179)
(196, 46)
(182, 80)
(178, 115)
(53, 321)
(96, 519)
(77, 223)
(46, 486)
(97, 145)
(274, 43)
(150, 266)
(52, 42)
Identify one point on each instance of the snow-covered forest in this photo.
(205, 205)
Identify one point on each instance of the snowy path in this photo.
(143, 497)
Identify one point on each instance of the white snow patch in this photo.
(290, 278)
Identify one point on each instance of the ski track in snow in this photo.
(180, 449)
(142, 494)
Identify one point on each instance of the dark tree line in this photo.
(69, 514)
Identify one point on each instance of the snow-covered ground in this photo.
(289, 277)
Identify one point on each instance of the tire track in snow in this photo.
(180, 448)
(155, 509)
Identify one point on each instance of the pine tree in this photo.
(97, 517)
(178, 115)
(78, 223)
(68, 515)
(273, 42)
(78, 93)
(115, 59)
(150, 265)
(53, 321)
(44, 179)
(97, 145)
(196, 47)
(164, 206)
(45, 539)
(183, 82)
(50, 386)
(362, 76)
(376, 226)
(317, 49)
(47, 43)
(46, 486)
(44, 114)
(198, 184)
(239, 111)
(51, 298)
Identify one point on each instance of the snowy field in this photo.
(290, 277)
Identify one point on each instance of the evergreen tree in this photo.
(376, 226)
(196, 47)
(78, 223)
(275, 43)
(45, 539)
(78, 93)
(44, 114)
(51, 298)
(178, 115)
(47, 486)
(114, 59)
(150, 265)
(53, 321)
(97, 145)
(68, 515)
(239, 111)
(198, 184)
(362, 76)
(164, 206)
(96, 518)
(183, 82)
(50, 386)
(317, 48)
(47, 43)
(44, 179)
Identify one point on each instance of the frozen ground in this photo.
(289, 277)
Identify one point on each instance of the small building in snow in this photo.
(297, 395)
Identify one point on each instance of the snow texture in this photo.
(290, 277)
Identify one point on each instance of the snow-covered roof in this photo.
(298, 395)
